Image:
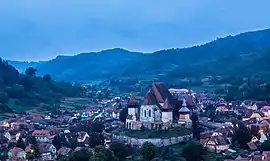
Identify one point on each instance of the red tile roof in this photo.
(149, 99)
(41, 133)
(161, 92)
(132, 99)
(14, 151)
(28, 148)
(166, 105)
(190, 101)
(44, 147)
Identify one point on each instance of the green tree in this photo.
(103, 154)
(31, 140)
(241, 135)
(119, 149)
(195, 126)
(97, 127)
(47, 78)
(193, 151)
(3, 97)
(30, 71)
(20, 143)
(95, 139)
(265, 146)
(81, 155)
(27, 82)
(211, 111)
(123, 115)
(72, 143)
(16, 91)
(148, 151)
(57, 142)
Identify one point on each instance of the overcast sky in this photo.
(43, 29)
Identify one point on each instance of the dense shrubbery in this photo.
(29, 90)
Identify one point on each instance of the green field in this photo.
(18, 108)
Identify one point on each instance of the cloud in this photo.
(34, 30)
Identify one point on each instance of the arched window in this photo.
(149, 113)
(144, 113)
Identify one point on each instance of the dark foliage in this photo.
(243, 51)
(242, 135)
(81, 155)
(103, 154)
(29, 90)
(123, 114)
(95, 139)
(119, 149)
(265, 146)
(195, 126)
(193, 151)
(148, 151)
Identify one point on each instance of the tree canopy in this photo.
(30, 90)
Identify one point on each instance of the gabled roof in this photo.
(82, 134)
(41, 133)
(161, 92)
(220, 140)
(14, 151)
(190, 101)
(44, 147)
(64, 151)
(149, 99)
(166, 105)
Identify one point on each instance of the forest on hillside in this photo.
(245, 54)
(27, 89)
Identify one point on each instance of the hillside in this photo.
(28, 90)
(220, 57)
(21, 66)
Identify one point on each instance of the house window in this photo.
(144, 113)
(149, 113)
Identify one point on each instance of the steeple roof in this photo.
(184, 108)
(166, 105)
(132, 99)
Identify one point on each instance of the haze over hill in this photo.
(244, 54)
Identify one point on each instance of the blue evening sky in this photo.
(43, 29)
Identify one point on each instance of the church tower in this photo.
(167, 112)
(184, 114)
(133, 107)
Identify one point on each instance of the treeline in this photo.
(118, 151)
(27, 89)
(243, 88)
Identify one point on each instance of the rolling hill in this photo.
(244, 54)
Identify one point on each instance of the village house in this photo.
(254, 115)
(16, 154)
(64, 151)
(217, 143)
(47, 151)
(82, 137)
(42, 135)
(111, 111)
(254, 143)
(266, 111)
(5, 124)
